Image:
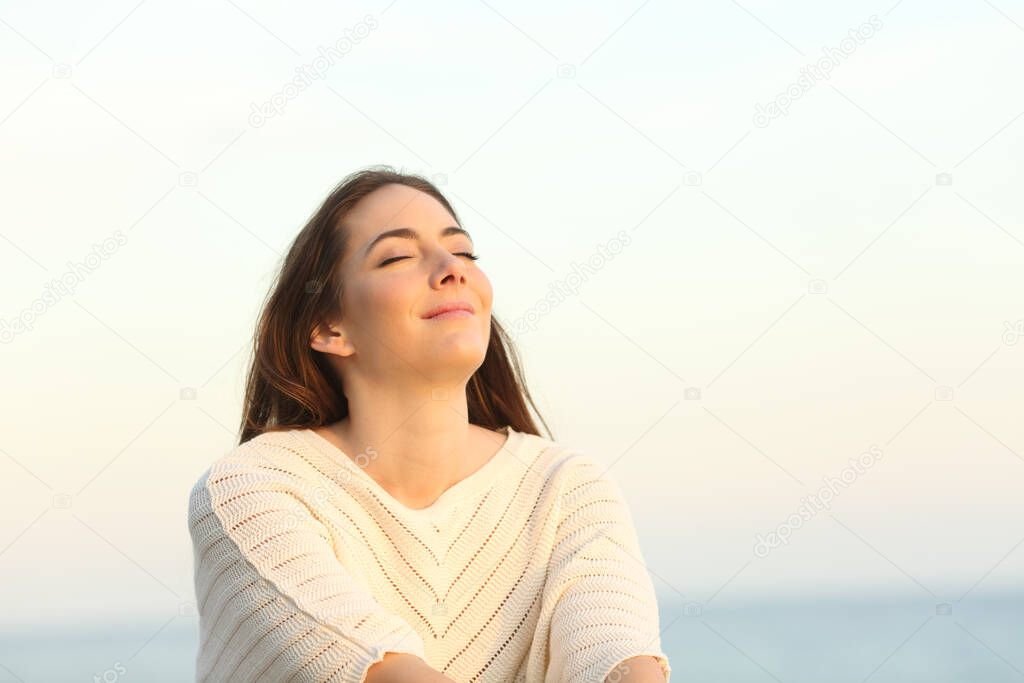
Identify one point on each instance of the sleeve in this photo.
(605, 608)
(273, 599)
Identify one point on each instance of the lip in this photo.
(448, 308)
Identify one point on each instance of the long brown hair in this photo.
(291, 385)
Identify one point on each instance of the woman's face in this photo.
(390, 284)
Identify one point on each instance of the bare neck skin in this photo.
(421, 458)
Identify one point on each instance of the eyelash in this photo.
(391, 260)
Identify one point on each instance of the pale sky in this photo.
(816, 282)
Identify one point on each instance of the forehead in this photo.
(392, 206)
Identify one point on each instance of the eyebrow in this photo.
(410, 234)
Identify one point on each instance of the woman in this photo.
(391, 512)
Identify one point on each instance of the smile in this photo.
(451, 315)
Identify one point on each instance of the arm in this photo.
(605, 615)
(274, 602)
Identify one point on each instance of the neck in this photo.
(416, 445)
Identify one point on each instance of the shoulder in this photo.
(267, 485)
(571, 471)
(271, 461)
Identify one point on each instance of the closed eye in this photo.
(387, 261)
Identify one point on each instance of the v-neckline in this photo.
(476, 482)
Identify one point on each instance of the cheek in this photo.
(484, 290)
(377, 301)
(391, 299)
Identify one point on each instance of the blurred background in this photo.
(762, 259)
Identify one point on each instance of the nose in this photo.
(450, 268)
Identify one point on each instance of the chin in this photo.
(460, 352)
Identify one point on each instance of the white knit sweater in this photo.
(306, 569)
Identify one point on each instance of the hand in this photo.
(399, 667)
(639, 669)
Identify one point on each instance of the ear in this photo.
(331, 338)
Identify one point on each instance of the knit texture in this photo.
(306, 569)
